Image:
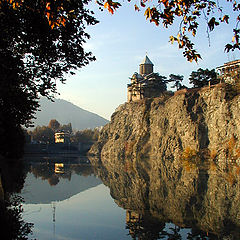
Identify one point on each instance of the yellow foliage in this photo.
(231, 143)
(238, 153)
(213, 154)
(237, 170)
(111, 6)
(213, 166)
(230, 178)
(189, 154)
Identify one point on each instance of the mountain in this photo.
(66, 112)
(37, 190)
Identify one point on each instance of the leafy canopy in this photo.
(54, 124)
(202, 77)
(40, 41)
(189, 14)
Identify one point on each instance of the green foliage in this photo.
(86, 135)
(159, 82)
(34, 55)
(201, 78)
(66, 128)
(46, 134)
(176, 79)
(40, 42)
(43, 134)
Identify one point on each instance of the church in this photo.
(146, 83)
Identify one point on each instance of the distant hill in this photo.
(37, 190)
(66, 112)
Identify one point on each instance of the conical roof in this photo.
(146, 60)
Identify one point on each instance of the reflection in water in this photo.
(11, 220)
(175, 199)
(77, 207)
(47, 182)
(147, 227)
(168, 199)
(12, 177)
(59, 168)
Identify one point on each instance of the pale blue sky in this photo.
(120, 42)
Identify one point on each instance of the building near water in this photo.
(146, 83)
(62, 137)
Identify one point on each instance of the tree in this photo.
(86, 135)
(201, 78)
(66, 128)
(43, 134)
(159, 81)
(177, 79)
(189, 14)
(54, 125)
(40, 41)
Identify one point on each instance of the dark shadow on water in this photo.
(12, 179)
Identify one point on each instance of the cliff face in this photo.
(176, 157)
(166, 126)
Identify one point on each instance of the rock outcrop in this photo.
(176, 158)
(164, 127)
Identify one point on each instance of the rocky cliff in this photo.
(176, 158)
(165, 127)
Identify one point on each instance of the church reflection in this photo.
(176, 200)
(145, 227)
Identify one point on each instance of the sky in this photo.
(120, 43)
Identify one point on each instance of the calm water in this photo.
(79, 206)
(66, 199)
(76, 206)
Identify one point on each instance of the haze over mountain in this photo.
(66, 112)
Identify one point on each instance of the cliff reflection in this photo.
(175, 199)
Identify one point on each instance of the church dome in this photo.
(146, 66)
(146, 60)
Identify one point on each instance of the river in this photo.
(70, 199)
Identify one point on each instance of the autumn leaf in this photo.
(136, 8)
(172, 39)
(212, 23)
(228, 47)
(111, 6)
(148, 13)
(142, 4)
(225, 19)
(116, 5)
(155, 21)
